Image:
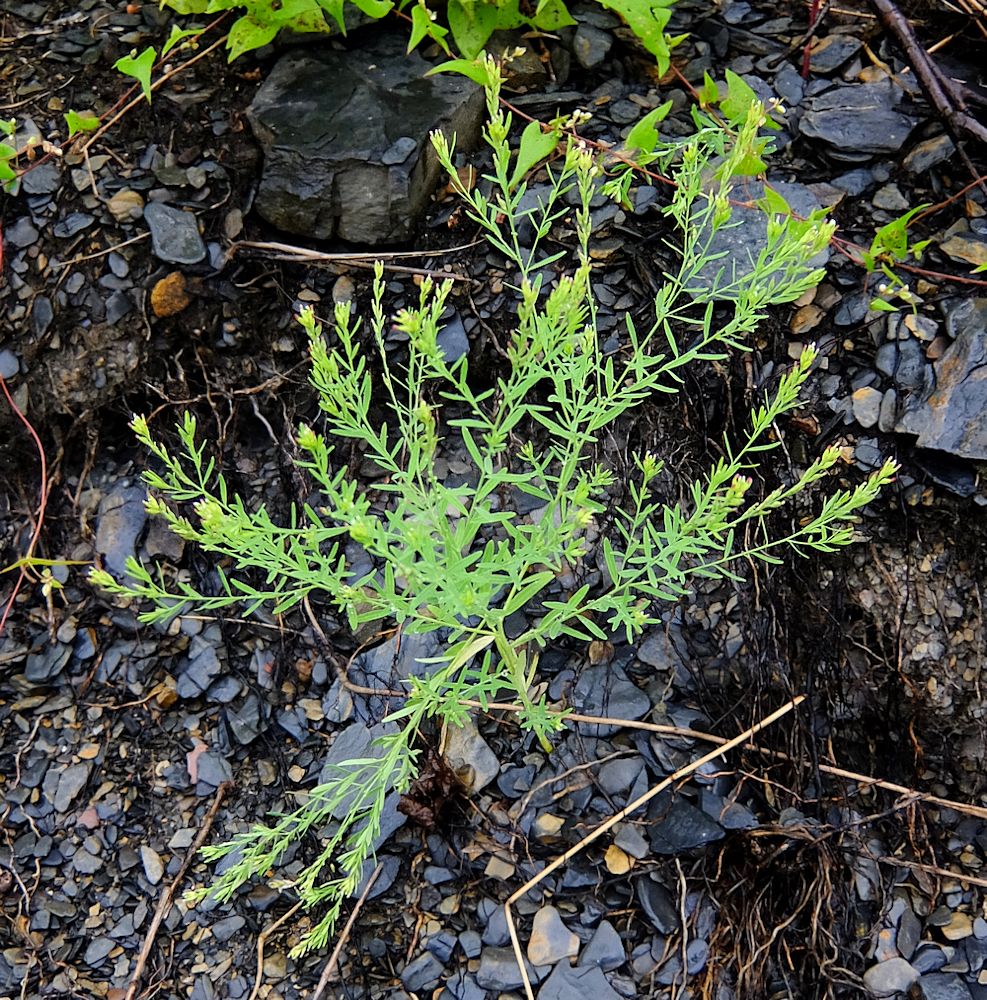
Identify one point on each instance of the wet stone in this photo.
(605, 949)
(550, 941)
(9, 365)
(928, 154)
(903, 361)
(577, 983)
(47, 664)
(452, 340)
(591, 45)
(605, 690)
(735, 247)
(940, 986)
(867, 406)
(119, 523)
(657, 903)
(73, 224)
(98, 949)
(682, 828)
(174, 234)
(327, 120)
(45, 178)
(499, 970)
(828, 54)
(888, 978)
(857, 122)
(21, 234)
(422, 973)
(953, 416)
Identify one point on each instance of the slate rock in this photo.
(579, 983)
(903, 361)
(940, 986)
(857, 122)
(98, 949)
(174, 234)
(71, 781)
(422, 973)
(604, 689)
(73, 224)
(746, 235)
(828, 54)
(119, 523)
(952, 416)
(48, 663)
(452, 340)
(658, 905)
(9, 365)
(44, 178)
(888, 978)
(682, 828)
(605, 949)
(499, 970)
(551, 941)
(20, 234)
(468, 753)
(590, 45)
(928, 154)
(337, 129)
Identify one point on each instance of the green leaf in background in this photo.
(248, 34)
(139, 68)
(740, 96)
(550, 15)
(644, 135)
(374, 8)
(81, 121)
(882, 305)
(535, 146)
(334, 8)
(177, 36)
(469, 68)
(648, 20)
(473, 25)
(424, 25)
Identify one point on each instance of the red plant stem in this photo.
(806, 52)
(42, 503)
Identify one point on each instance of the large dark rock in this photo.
(951, 416)
(858, 122)
(345, 138)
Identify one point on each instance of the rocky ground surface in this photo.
(130, 284)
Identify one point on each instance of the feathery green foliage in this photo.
(454, 559)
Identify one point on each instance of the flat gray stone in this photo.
(71, 781)
(174, 234)
(683, 828)
(888, 978)
(345, 139)
(550, 941)
(605, 690)
(579, 983)
(952, 415)
(468, 753)
(735, 247)
(857, 122)
(940, 986)
(605, 949)
(499, 970)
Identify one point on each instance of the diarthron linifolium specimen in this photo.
(452, 558)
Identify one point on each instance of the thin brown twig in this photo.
(262, 940)
(168, 894)
(334, 957)
(608, 824)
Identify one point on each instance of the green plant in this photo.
(18, 150)
(889, 247)
(470, 22)
(454, 559)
